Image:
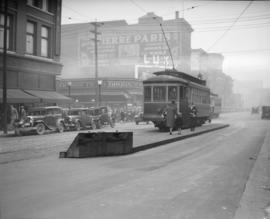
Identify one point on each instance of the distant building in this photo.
(114, 92)
(33, 51)
(265, 97)
(126, 52)
(252, 92)
(210, 66)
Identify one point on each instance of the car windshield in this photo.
(53, 111)
(36, 113)
(73, 113)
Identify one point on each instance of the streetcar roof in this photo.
(164, 79)
(182, 75)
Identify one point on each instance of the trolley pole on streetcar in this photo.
(4, 112)
(96, 33)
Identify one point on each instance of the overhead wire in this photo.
(230, 27)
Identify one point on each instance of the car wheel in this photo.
(98, 125)
(112, 124)
(93, 125)
(60, 127)
(78, 126)
(40, 129)
(18, 132)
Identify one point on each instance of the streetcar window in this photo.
(182, 92)
(147, 93)
(172, 92)
(159, 93)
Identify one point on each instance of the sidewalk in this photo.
(255, 202)
(158, 138)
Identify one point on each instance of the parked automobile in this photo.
(41, 119)
(255, 110)
(265, 112)
(81, 118)
(139, 118)
(104, 116)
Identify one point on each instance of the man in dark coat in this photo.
(179, 123)
(171, 111)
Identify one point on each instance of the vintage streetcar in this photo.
(184, 89)
(215, 104)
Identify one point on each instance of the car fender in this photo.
(60, 121)
(41, 121)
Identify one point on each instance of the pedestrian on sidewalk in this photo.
(14, 116)
(179, 122)
(193, 117)
(23, 114)
(171, 111)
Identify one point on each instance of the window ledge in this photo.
(39, 9)
(39, 58)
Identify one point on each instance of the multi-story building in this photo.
(33, 51)
(114, 92)
(252, 92)
(210, 66)
(126, 51)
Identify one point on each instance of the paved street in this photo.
(198, 177)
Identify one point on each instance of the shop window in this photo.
(159, 93)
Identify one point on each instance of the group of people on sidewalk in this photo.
(174, 119)
(14, 115)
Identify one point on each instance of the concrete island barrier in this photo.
(93, 144)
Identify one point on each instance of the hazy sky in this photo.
(240, 30)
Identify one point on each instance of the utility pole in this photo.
(4, 113)
(96, 33)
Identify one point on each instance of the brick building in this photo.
(33, 51)
(125, 51)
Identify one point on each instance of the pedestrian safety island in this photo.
(93, 144)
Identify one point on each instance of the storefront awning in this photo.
(49, 96)
(105, 96)
(18, 96)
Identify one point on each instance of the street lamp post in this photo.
(99, 92)
(69, 87)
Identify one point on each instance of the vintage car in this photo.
(265, 112)
(139, 118)
(81, 118)
(41, 119)
(104, 116)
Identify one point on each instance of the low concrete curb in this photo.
(255, 202)
(180, 137)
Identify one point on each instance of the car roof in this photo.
(44, 108)
(81, 108)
